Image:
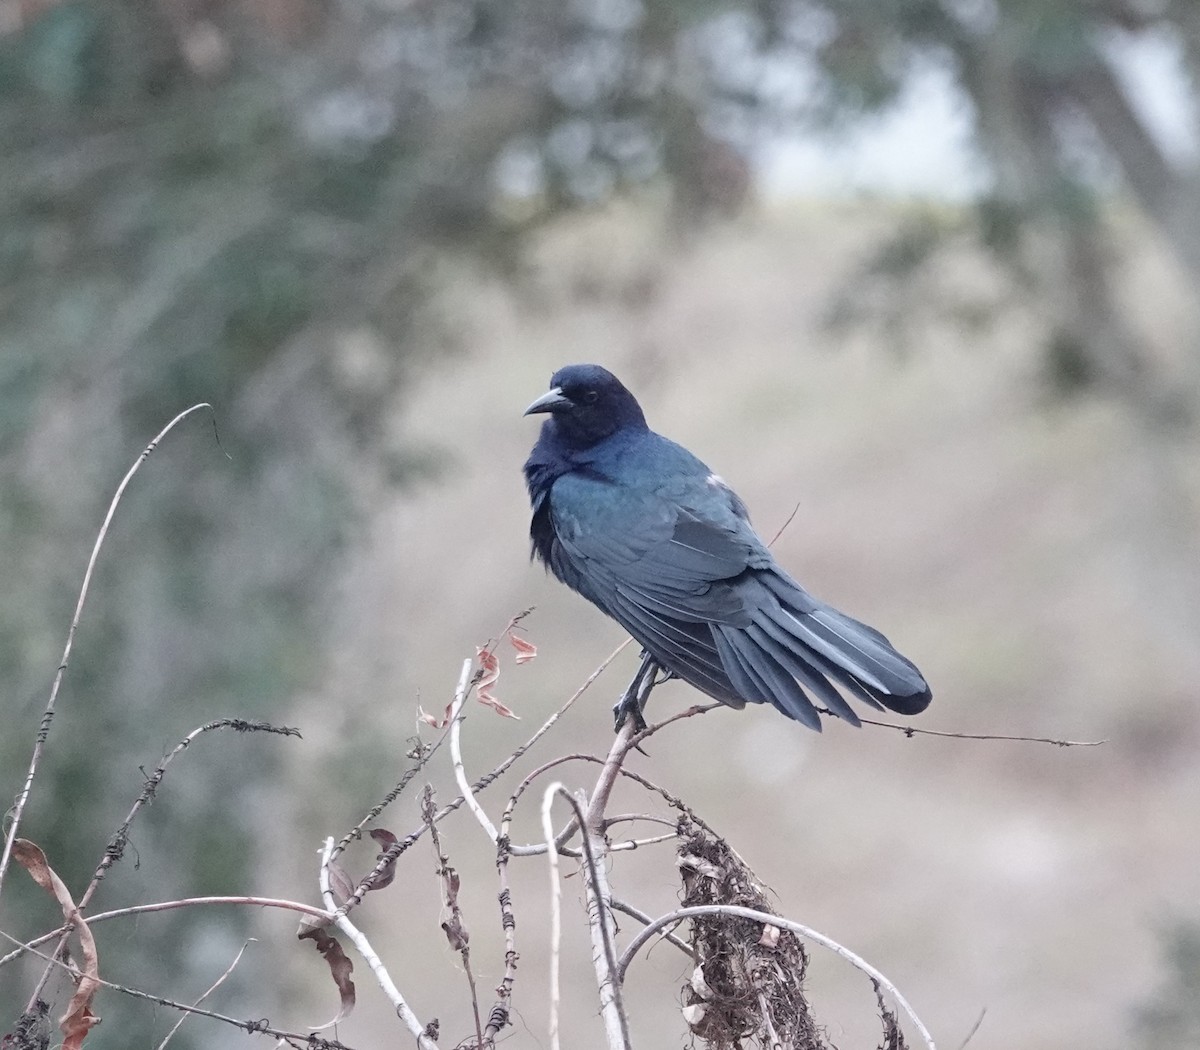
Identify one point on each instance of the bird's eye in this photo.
(591, 397)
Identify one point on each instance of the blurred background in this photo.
(925, 268)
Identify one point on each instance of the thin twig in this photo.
(115, 849)
(397, 848)
(212, 988)
(262, 1026)
(672, 800)
(612, 1006)
(498, 1017)
(773, 1040)
(421, 754)
(460, 773)
(536, 849)
(772, 920)
(783, 527)
(48, 714)
(555, 908)
(627, 818)
(911, 731)
(974, 1028)
(403, 1010)
(645, 920)
(139, 909)
(455, 929)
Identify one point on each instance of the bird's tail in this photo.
(841, 648)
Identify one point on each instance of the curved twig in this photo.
(772, 920)
(460, 773)
(645, 920)
(48, 715)
(187, 902)
(261, 1026)
(211, 988)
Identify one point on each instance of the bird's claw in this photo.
(625, 708)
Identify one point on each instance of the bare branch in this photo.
(555, 908)
(783, 528)
(455, 929)
(645, 920)
(612, 1007)
(48, 714)
(460, 774)
(911, 731)
(139, 909)
(771, 920)
(253, 1027)
(212, 988)
(403, 1011)
(397, 848)
(115, 849)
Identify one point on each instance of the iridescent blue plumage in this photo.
(644, 530)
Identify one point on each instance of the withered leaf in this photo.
(340, 968)
(386, 839)
(770, 936)
(489, 673)
(79, 1019)
(526, 651)
(452, 884)
(455, 934)
(433, 720)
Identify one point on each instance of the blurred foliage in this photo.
(244, 202)
(1171, 1019)
(1059, 128)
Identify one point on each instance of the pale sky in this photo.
(922, 147)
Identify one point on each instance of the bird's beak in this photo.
(548, 402)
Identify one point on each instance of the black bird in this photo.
(644, 530)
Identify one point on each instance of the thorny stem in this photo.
(262, 1026)
(393, 851)
(211, 988)
(456, 930)
(115, 849)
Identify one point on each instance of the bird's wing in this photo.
(672, 555)
(658, 566)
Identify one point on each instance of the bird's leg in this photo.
(635, 696)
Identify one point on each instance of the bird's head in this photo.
(588, 403)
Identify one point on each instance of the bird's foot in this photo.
(629, 706)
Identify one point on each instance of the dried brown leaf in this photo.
(455, 934)
(386, 839)
(432, 720)
(79, 1019)
(340, 968)
(489, 673)
(526, 651)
